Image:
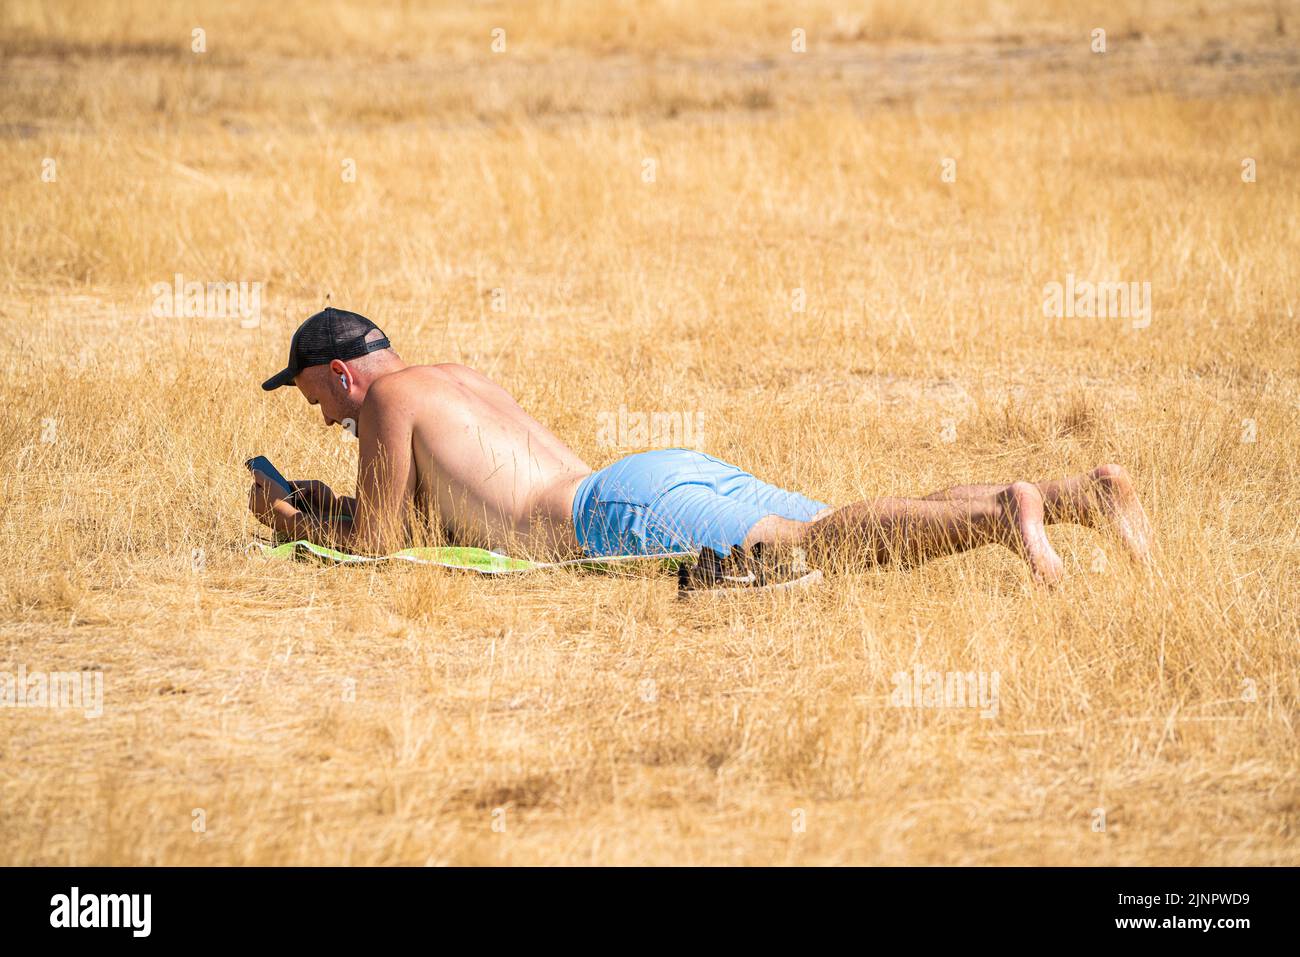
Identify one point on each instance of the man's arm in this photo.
(331, 529)
(385, 483)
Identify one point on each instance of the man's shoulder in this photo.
(396, 393)
(417, 378)
(418, 387)
(456, 372)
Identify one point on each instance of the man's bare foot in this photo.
(1121, 510)
(1021, 505)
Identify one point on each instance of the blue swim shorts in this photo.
(676, 500)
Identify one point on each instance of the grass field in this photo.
(833, 263)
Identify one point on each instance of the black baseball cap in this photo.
(328, 335)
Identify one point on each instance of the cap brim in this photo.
(283, 377)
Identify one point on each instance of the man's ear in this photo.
(339, 368)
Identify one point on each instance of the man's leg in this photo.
(1102, 498)
(912, 531)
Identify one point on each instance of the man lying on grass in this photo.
(445, 445)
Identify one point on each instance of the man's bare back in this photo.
(493, 475)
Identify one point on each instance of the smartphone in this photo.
(262, 464)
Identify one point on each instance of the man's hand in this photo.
(267, 501)
(314, 496)
(319, 499)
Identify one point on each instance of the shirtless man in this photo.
(445, 445)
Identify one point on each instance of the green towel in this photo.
(470, 559)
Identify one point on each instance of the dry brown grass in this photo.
(595, 716)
